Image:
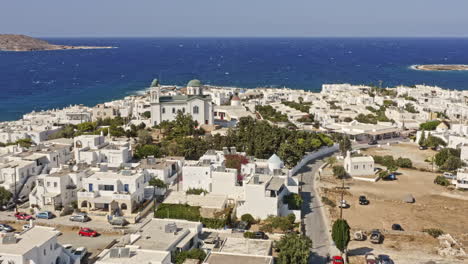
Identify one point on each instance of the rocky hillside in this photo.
(25, 43)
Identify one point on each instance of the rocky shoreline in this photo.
(441, 67)
(25, 43)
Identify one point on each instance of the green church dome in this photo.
(155, 83)
(194, 83)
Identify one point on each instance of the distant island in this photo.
(10, 42)
(441, 67)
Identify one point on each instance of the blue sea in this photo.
(53, 79)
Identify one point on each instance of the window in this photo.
(195, 109)
(48, 184)
(163, 110)
(356, 167)
(183, 109)
(173, 110)
(55, 184)
(126, 188)
(106, 187)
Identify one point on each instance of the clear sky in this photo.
(223, 18)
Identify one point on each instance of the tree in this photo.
(441, 180)
(442, 156)
(5, 195)
(430, 125)
(144, 151)
(422, 138)
(146, 114)
(294, 248)
(340, 234)
(434, 142)
(452, 163)
(248, 218)
(345, 145)
(331, 161)
(404, 163)
(293, 200)
(144, 137)
(339, 172)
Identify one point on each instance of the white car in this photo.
(26, 227)
(80, 252)
(68, 247)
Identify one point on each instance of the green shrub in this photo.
(430, 125)
(328, 202)
(433, 232)
(249, 234)
(293, 200)
(178, 211)
(441, 180)
(195, 253)
(196, 191)
(284, 223)
(339, 172)
(248, 218)
(404, 163)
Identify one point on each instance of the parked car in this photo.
(87, 232)
(22, 199)
(397, 227)
(343, 204)
(68, 247)
(118, 221)
(6, 228)
(371, 259)
(363, 200)
(260, 235)
(23, 216)
(45, 215)
(337, 260)
(384, 259)
(80, 252)
(373, 142)
(8, 206)
(449, 175)
(79, 218)
(26, 227)
(376, 237)
(422, 147)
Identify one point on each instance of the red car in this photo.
(337, 260)
(87, 232)
(23, 216)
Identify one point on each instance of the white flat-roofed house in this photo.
(34, 246)
(166, 108)
(167, 169)
(359, 166)
(170, 235)
(93, 149)
(58, 189)
(112, 193)
(19, 175)
(263, 196)
(197, 175)
(134, 256)
(461, 180)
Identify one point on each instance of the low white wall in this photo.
(313, 155)
(366, 179)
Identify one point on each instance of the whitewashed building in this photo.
(359, 166)
(166, 108)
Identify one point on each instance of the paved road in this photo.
(314, 218)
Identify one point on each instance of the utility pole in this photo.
(342, 196)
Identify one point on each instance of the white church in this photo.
(165, 108)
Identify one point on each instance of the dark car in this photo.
(260, 235)
(8, 206)
(384, 259)
(422, 147)
(373, 142)
(397, 227)
(363, 200)
(241, 227)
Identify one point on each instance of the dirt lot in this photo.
(404, 150)
(69, 235)
(435, 207)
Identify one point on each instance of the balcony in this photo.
(87, 195)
